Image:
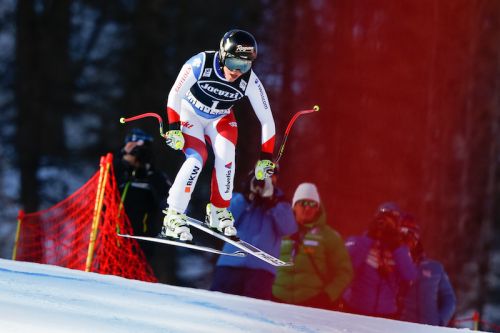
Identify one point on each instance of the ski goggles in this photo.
(242, 65)
(308, 203)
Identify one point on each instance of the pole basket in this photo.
(62, 234)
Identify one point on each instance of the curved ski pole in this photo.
(285, 137)
(289, 127)
(144, 115)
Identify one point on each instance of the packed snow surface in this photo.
(43, 298)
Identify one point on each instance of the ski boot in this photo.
(220, 219)
(175, 226)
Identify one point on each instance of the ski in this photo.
(187, 245)
(241, 244)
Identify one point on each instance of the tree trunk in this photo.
(42, 89)
(28, 98)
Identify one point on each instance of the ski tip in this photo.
(122, 120)
(316, 107)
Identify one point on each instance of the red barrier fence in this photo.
(80, 232)
(476, 320)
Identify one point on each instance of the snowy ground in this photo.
(42, 298)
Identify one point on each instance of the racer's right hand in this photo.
(264, 169)
(175, 139)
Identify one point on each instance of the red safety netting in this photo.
(62, 235)
(476, 320)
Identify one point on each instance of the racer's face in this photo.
(231, 75)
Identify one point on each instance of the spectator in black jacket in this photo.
(143, 191)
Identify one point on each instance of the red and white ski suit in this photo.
(201, 101)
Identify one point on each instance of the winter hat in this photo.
(388, 206)
(136, 134)
(307, 191)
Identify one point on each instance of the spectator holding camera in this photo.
(322, 268)
(430, 299)
(263, 217)
(143, 191)
(382, 264)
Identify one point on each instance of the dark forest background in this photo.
(409, 95)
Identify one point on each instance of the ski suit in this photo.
(201, 102)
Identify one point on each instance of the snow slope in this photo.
(42, 298)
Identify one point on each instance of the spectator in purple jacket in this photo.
(430, 299)
(382, 263)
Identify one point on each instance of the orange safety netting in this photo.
(80, 232)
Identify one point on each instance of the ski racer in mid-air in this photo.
(199, 106)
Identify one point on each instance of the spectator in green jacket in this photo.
(322, 268)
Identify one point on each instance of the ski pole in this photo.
(285, 137)
(144, 115)
(289, 127)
